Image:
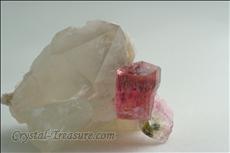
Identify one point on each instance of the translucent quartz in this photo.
(136, 85)
(71, 84)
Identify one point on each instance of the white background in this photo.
(188, 40)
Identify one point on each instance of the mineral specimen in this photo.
(160, 125)
(70, 85)
(136, 86)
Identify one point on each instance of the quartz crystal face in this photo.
(136, 85)
(71, 84)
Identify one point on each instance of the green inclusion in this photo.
(150, 129)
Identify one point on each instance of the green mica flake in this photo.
(149, 128)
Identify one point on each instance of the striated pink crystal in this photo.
(136, 85)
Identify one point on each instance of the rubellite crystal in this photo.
(136, 85)
(159, 127)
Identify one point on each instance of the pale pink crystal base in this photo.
(159, 127)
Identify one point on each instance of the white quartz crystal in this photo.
(70, 85)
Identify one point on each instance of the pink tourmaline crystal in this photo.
(136, 85)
